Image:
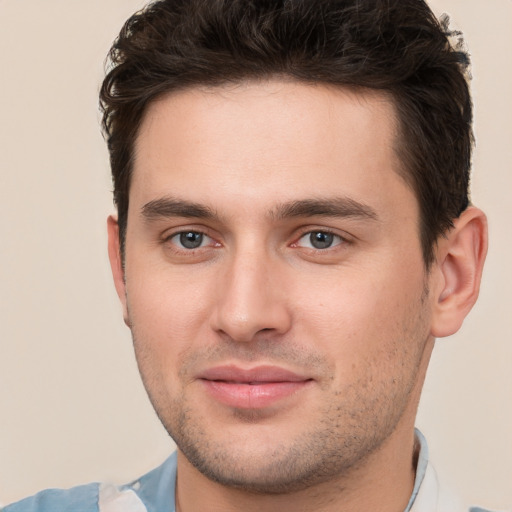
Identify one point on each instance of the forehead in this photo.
(267, 141)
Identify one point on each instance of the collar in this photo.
(155, 491)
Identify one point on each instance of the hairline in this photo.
(398, 144)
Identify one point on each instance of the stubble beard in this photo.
(352, 424)
(335, 449)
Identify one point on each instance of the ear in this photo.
(460, 260)
(116, 263)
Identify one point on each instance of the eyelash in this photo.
(181, 234)
(336, 240)
(341, 240)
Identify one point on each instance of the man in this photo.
(293, 233)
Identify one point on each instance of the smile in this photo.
(255, 388)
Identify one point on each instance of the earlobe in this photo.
(116, 263)
(461, 257)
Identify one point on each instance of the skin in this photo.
(250, 172)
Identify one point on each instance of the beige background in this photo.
(72, 407)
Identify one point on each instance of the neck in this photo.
(384, 482)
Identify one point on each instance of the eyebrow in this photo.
(344, 207)
(167, 207)
(325, 207)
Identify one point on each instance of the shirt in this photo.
(155, 492)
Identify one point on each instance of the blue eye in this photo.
(319, 240)
(190, 239)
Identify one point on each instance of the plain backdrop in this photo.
(72, 408)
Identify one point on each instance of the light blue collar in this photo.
(157, 488)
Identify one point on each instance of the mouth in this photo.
(253, 388)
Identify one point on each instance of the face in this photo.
(274, 280)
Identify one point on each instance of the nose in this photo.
(251, 298)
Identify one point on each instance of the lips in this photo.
(253, 388)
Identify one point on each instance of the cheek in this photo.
(362, 319)
(161, 294)
(166, 315)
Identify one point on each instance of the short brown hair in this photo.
(397, 46)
